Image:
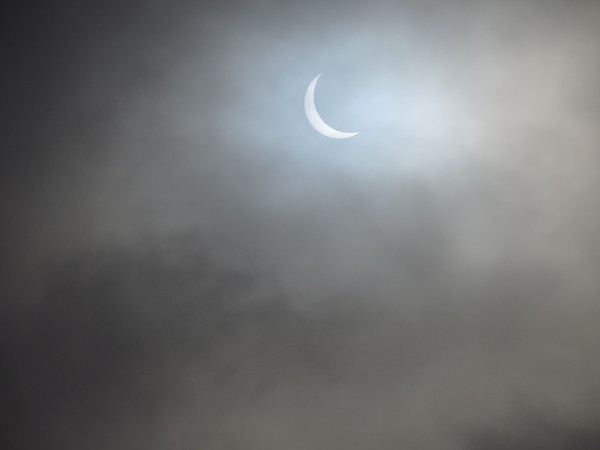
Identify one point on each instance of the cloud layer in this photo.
(187, 264)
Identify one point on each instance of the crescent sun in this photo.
(315, 119)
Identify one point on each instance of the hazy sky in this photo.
(187, 264)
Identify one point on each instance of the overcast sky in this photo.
(187, 264)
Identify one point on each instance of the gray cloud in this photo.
(187, 264)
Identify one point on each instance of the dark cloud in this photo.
(187, 264)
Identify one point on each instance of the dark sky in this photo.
(187, 264)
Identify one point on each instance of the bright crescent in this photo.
(315, 119)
